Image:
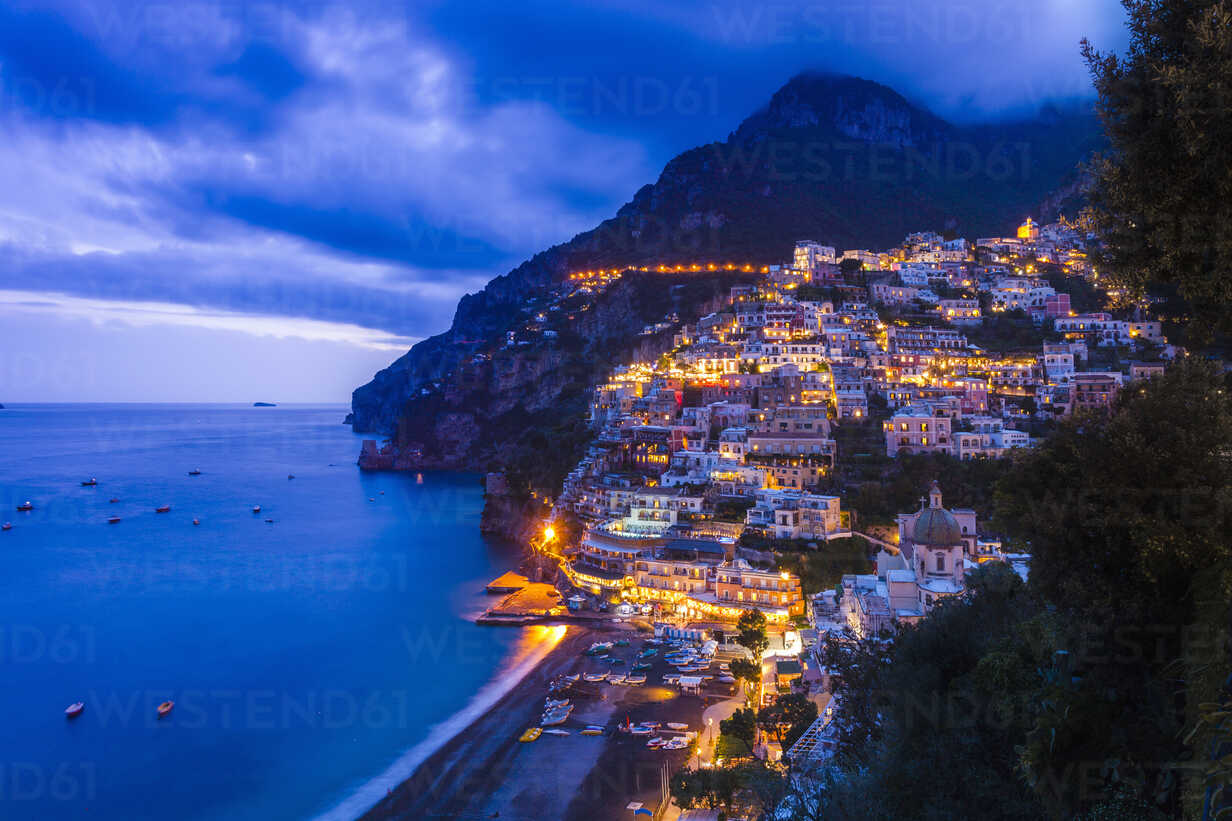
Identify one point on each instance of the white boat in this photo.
(638, 679)
(655, 743)
(572, 678)
(553, 703)
(616, 680)
(553, 719)
(641, 731)
(556, 732)
(675, 725)
(727, 679)
(594, 677)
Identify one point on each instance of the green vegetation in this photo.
(1162, 196)
(751, 632)
(1074, 694)
(823, 568)
(879, 488)
(1009, 331)
(737, 734)
(787, 718)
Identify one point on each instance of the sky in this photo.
(241, 201)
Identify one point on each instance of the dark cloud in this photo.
(254, 156)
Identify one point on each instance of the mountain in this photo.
(834, 158)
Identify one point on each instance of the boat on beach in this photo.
(638, 679)
(530, 735)
(676, 725)
(74, 710)
(592, 730)
(616, 680)
(556, 732)
(595, 677)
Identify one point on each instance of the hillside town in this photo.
(732, 432)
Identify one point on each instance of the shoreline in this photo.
(458, 769)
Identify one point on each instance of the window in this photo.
(940, 562)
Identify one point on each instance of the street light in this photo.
(549, 533)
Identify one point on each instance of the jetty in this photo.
(508, 583)
(525, 602)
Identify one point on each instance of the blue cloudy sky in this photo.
(237, 200)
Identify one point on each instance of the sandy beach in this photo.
(485, 772)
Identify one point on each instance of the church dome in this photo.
(936, 526)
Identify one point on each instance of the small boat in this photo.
(165, 708)
(638, 679)
(196, 521)
(163, 509)
(553, 703)
(572, 678)
(645, 654)
(622, 643)
(655, 743)
(26, 506)
(556, 732)
(616, 662)
(194, 472)
(593, 731)
(671, 678)
(641, 665)
(6, 526)
(676, 725)
(256, 508)
(726, 679)
(74, 710)
(616, 680)
(91, 482)
(113, 520)
(594, 677)
(553, 719)
(641, 731)
(530, 735)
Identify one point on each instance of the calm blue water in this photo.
(304, 656)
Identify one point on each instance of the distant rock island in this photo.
(264, 405)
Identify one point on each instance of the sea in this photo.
(315, 651)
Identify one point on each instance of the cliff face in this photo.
(832, 158)
(467, 407)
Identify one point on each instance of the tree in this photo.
(1161, 199)
(752, 632)
(737, 733)
(1127, 519)
(746, 671)
(709, 787)
(787, 718)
